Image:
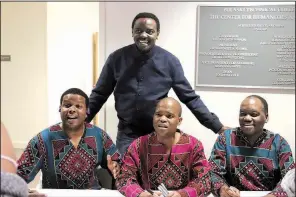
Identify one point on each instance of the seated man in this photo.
(167, 156)
(68, 152)
(250, 158)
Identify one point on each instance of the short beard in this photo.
(72, 129)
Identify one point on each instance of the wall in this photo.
(69, 40)
(51, 48)
(24, 79)
(177, 34)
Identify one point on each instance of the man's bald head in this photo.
(167, 117)
(172, 102)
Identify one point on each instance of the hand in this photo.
(157, 193)
(174, 194)
(226, 191)
(35, 193)
(235, 190)
(113, 166)
(145, 194)
(224, 128)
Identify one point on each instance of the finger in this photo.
(109, 160)
(170, 194)
(114, 165)
(148, 194)
(231, 193)
(157, 193)
(234, 189)
(224, 194)
(114, 173)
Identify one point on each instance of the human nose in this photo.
(247, 118)
(72, 109)
(163, 119)
(143, 34)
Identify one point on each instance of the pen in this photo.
(163, 190)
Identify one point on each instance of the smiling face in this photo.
(73, 112)
(167, 118)
(252, 116)
(145, 33)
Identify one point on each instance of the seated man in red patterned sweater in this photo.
(167, 156)
(67, 153)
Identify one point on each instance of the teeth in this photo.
(162, 126)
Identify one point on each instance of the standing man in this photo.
(140, 75)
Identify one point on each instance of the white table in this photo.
(80, 193)
(115, 193)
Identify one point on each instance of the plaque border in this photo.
(196, 84)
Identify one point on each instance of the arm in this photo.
(217, 162)
(286, 163)
(188, 96)
(104, 87)
(109, 148)
(7, 151)
(127, 181)
(30, 161)
(201, 179)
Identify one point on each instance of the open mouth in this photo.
(72, 118)
(161, 126)
(143, 42)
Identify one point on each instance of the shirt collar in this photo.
(141, 55)
(243, 137)
(64, 134)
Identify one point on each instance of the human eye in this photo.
(150, 31)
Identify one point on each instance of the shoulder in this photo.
(140, 141)
(273, 135)
(278, 140)
(192, 141)
(49, 131)
(47, 134)
(165, 53)
(229, 132)
(94, 130)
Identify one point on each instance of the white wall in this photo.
(51, 48)
(178, 35)
(70, 26)
(24, 79)
(54, 41)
